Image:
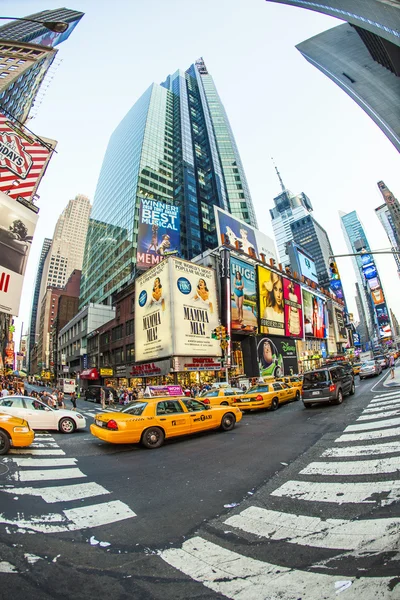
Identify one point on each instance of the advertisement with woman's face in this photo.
(243, 297)
(270, 292)
(293, 309)
(314, 316)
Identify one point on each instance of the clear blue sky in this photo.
(277, 103)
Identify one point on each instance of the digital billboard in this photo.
(340, 325)
(243, 297)
(276, 357)
(238, 235)
(369, 272)
(377, 296)
(307, 266)
(337, 288)
(382, 314)
(23, 159)
(158, 234)
(374, 283)
(17, 226)
(314, 315)
(271, 302)
(366, 259)
(52, 38)
(293, 309)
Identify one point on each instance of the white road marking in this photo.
(6, 567)
(378, 415)
(60, 493)
(48, 475)
(388, 394)
(44, 462)
(369, 435)
(99, 514)
(341, 493)
(44, 438)
(388, 405)
(44, 445)
(367, 535)
(241, 578)
(363, 427)
(387, 448)
(354, 467)
(34, 452)
(388, 402)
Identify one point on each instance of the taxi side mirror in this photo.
(207, 406)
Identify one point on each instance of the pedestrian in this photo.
(391, 365)
(73, 400)
(60, 400)
(102, 398)
(111, 399)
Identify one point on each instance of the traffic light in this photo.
(334, 270)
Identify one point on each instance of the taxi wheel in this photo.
(228, 422)
(274, 403)
(224, 404)
(153, 437)
(4, 442)
(67, 426)
(297, 395)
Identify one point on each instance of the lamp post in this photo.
(56, 26)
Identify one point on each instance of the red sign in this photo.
(145, 370)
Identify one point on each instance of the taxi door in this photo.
(200, 417)
(283, 393)
(169, 415)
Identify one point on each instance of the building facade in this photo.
(37, 33)
(174, 146)
(35, 302)
(384, 216)
(393, 207)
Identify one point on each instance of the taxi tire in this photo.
(224, 404)
(228, 422)
(4, 442)
(298, 395)
(158, 432)
(66, 425)
(274, 403)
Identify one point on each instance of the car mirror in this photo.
(207, 406)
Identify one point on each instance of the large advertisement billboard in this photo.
(307, 266)
(270, 293)
(52, 38)
(17, 226)
(237, 234)
(23, 160)
(158, 233)
(243, 297)
(293, 309)
(377, 296)
(276, 357)
(314, 315)
(370, 272)
(340, 325)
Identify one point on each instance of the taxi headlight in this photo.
(21, 429)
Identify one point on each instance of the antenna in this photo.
(279, 176)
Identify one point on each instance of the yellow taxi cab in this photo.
(267, 395)
(152, 420)
(356, 368)
(223, 396)
(293, 380)
(14, 432)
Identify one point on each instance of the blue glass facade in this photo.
(175, 145)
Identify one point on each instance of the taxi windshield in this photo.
(134, 408)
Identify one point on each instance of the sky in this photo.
(278, 105)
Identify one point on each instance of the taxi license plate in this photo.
(99, 423)
(315, 393)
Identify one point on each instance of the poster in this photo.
(340, 325)
(307, 266)
(374, 283)
(377, 296)
(276, 357)
(293, 309)
(243, 297)
(314, 315)
(17, 226)
(270, 293)
(237, 234)
(158, 233)
(153, 333)
(370, 272)
(195, 309)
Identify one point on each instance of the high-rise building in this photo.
(362, 328)
(175, 146)
(393, 207)
(37, 33)
(35, 302)
(288, 208)
(309, 234)
(383, 214)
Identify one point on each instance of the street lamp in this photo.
(56, 26)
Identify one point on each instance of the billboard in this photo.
(307, 266)
(176, 310)
(158, 232)
(377, 296)
(370, 272)
(340, 325)
(270, 295)
(52, 38)
(23, 160)
(238, 235)
(293, 309)
(337, 288)
(276, 356)
(366, 259)
(17, 226)
(382, 314)
(243, 297)
(314, 315)
(153, 331)
(374, 283)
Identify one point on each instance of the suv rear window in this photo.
(315, 377)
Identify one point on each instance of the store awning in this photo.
(90, 374)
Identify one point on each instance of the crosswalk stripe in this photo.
(365, 426)
(376, 409)
(378, 415)
(386, 448)
(6, 567)
(367, 535)
(354, 467)
(99, 514)
(48, 475)
(60, 493)
(388, 394)
(44, 445)
(242, 578)
(34, 452)
(341, 493)
(44, 437)
(44, 462)
(369, 435)
(377, 403)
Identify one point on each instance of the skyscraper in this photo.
(174, 146)
(288, 208)
(37, 33)
(35, 302)
(383, 214)
(393, 207)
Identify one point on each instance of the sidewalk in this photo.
(393, 382)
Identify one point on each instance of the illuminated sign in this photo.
(307, 267)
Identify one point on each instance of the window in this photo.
(129, 327)
(170, 407)
(135, 408)
(130, 353)
(116, 333)
(193, 405)
(276, 386)
(12, 401)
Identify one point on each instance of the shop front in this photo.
(107, 377)
(311, 354)
(196, 370)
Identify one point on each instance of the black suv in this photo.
(93, 393)
(327, 384)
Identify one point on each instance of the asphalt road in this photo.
(152, 524)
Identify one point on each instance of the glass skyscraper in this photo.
(309, 234)
(175, 146)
